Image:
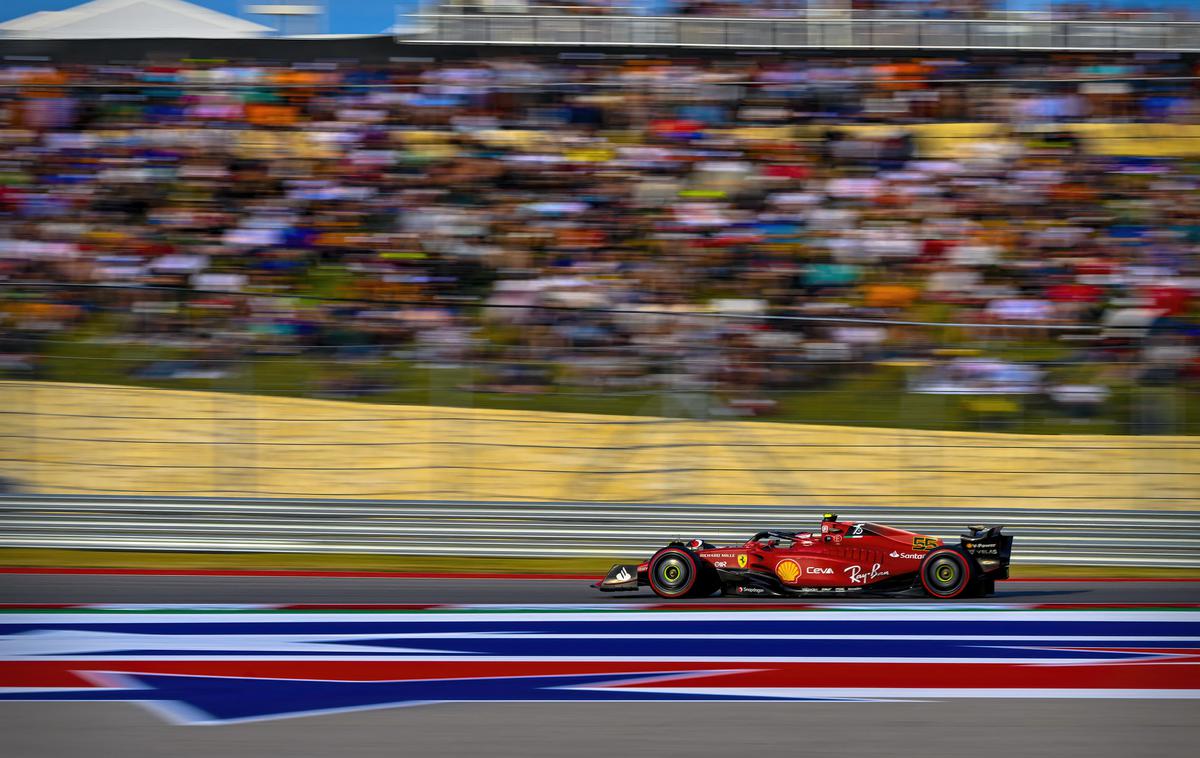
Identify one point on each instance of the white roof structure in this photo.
(113, 19)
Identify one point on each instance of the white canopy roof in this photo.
(111, 19)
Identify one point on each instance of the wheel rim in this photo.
(945, 574)
(672, 573)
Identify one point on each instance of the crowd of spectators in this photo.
(543, 216)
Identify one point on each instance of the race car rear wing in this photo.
(991, 549)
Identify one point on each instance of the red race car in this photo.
(842, 558)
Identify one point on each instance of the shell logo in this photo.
(787, 570)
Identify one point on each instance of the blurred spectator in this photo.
(534, 215)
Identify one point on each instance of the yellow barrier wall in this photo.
(955, 140)
(95, 439)
(949, 140)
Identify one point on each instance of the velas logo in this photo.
(787, 570)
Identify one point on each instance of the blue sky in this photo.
(373, 16)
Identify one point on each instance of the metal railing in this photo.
(618, 530)
(855, 33)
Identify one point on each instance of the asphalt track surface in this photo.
(976, 728)
(106, 588)
(1063, 728)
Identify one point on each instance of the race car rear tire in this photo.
(676, 572)
(947, 573)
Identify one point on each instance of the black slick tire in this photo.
(947, 573)
(676, 572)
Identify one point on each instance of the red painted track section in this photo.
(447, 574)
(290, 572)
(1180, 675)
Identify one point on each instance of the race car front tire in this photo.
(947, 573)
(676, 572)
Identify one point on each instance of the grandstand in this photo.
(939, 239)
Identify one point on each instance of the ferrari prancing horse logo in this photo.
(742, 559)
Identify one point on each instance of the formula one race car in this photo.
(842, 558)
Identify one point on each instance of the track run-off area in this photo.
(319, 665)
(213, 662)
(226, 665)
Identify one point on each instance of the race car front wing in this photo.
(622, 577)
